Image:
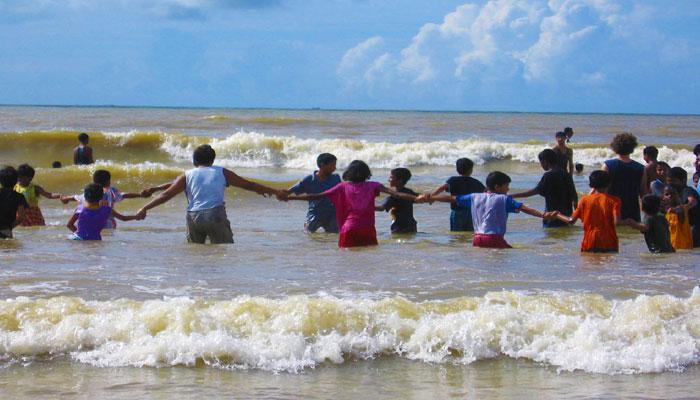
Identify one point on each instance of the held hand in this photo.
(282, 196)
(141, 214)
(424, 198)
(147, 192)
(64, 199)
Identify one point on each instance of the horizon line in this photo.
(453, 111)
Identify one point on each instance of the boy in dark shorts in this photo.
(12, 204)
(321, 213)
(461, 217)
(401, 210)
(556, 186)
(655, 226)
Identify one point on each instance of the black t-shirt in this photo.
(557, 188)
(461, 185)
(658, 237)
(10, 201)
(401, 211)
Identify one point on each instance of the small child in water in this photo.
(31, 193)
(401, 210)
(354, 204)
(655, 226)
(82, 155)
(600, 213)
(461, 218)
(490, 210)
(12, 204)
(579, 168)
(93, 216)
(678, 219)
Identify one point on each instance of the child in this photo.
(678, 221)
(600, 213)
(93, 216)
(321, 213)
(579, 168)
(31, 192)
(56, 164)
(490, 210)
(655, 226)
(556, 186)
(12, 204)
(111, 195)
(569, 132)
(565, 154)
(401, 210)
(659, 184)
(461, 218)
(354, 204)
(650, 154)
(689, 198)
(82, 155)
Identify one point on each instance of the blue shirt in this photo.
(204, 187)
(489, 211)
(313, 185)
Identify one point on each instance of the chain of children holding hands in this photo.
(671, 210)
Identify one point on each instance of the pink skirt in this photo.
(358, 237)
(490, 241)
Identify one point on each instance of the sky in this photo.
(612, 56)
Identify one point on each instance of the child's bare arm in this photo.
(443, 198)
(636, 225)
(563, 218)
(306, 196)
(40, 191)
(131, 195)
(440, 189)
(394, 193)
(123, 217)
(526, 193)
(536, 213)
(149, 191)
(67, 199)
(71, 222)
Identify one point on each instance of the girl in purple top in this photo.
(93, 216)
(354, 204)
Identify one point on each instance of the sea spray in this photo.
(569, 331)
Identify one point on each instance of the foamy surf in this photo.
(568, 331)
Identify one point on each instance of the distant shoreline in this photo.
(107, 106)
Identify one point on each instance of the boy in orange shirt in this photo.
(600, 213)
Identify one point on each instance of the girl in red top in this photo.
(600, 213)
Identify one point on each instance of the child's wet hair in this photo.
(678, 173)
(402, 174)
(496, 178)
(664, 165)
(549, 157)
(8, 177)
(464, 166)
(599, 179)
(325, 159)
(651, 151)
(93, 193)
(578, 167)
(25, 171)
(624, 143)
(357, 171)
(651, 204)
(83, 137)
(102, 177)
(203, 155)
(560, 134)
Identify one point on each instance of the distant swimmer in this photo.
(56, 164)
(82, 155)
(564, 152)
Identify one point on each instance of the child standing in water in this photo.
(655, 226)
(31, 193)
(401, 210)
(12, 204)
(600, 213)
(82, 155)
(93, 216)
(461, 218)
(354, 204)
(678, 220)
(564, 152)
(490, 210)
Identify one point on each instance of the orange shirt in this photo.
(597, 212)
(681, 236)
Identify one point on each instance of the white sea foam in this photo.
(569, 331)
(251, 149)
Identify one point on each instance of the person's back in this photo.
(658, 234)
(205, 186)
(557, 188)
(598, 212)
(625, 183)
(490, 212)
(354, 203)
(91, 221)
(463, 184)
(82, 155)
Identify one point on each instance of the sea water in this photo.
(285, 314)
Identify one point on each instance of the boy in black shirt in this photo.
(460, 217)
(655, 226)
(401, 210)
(12, 204)
(556, 186)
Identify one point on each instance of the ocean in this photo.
(285, 314)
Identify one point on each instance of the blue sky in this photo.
(502, 55)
